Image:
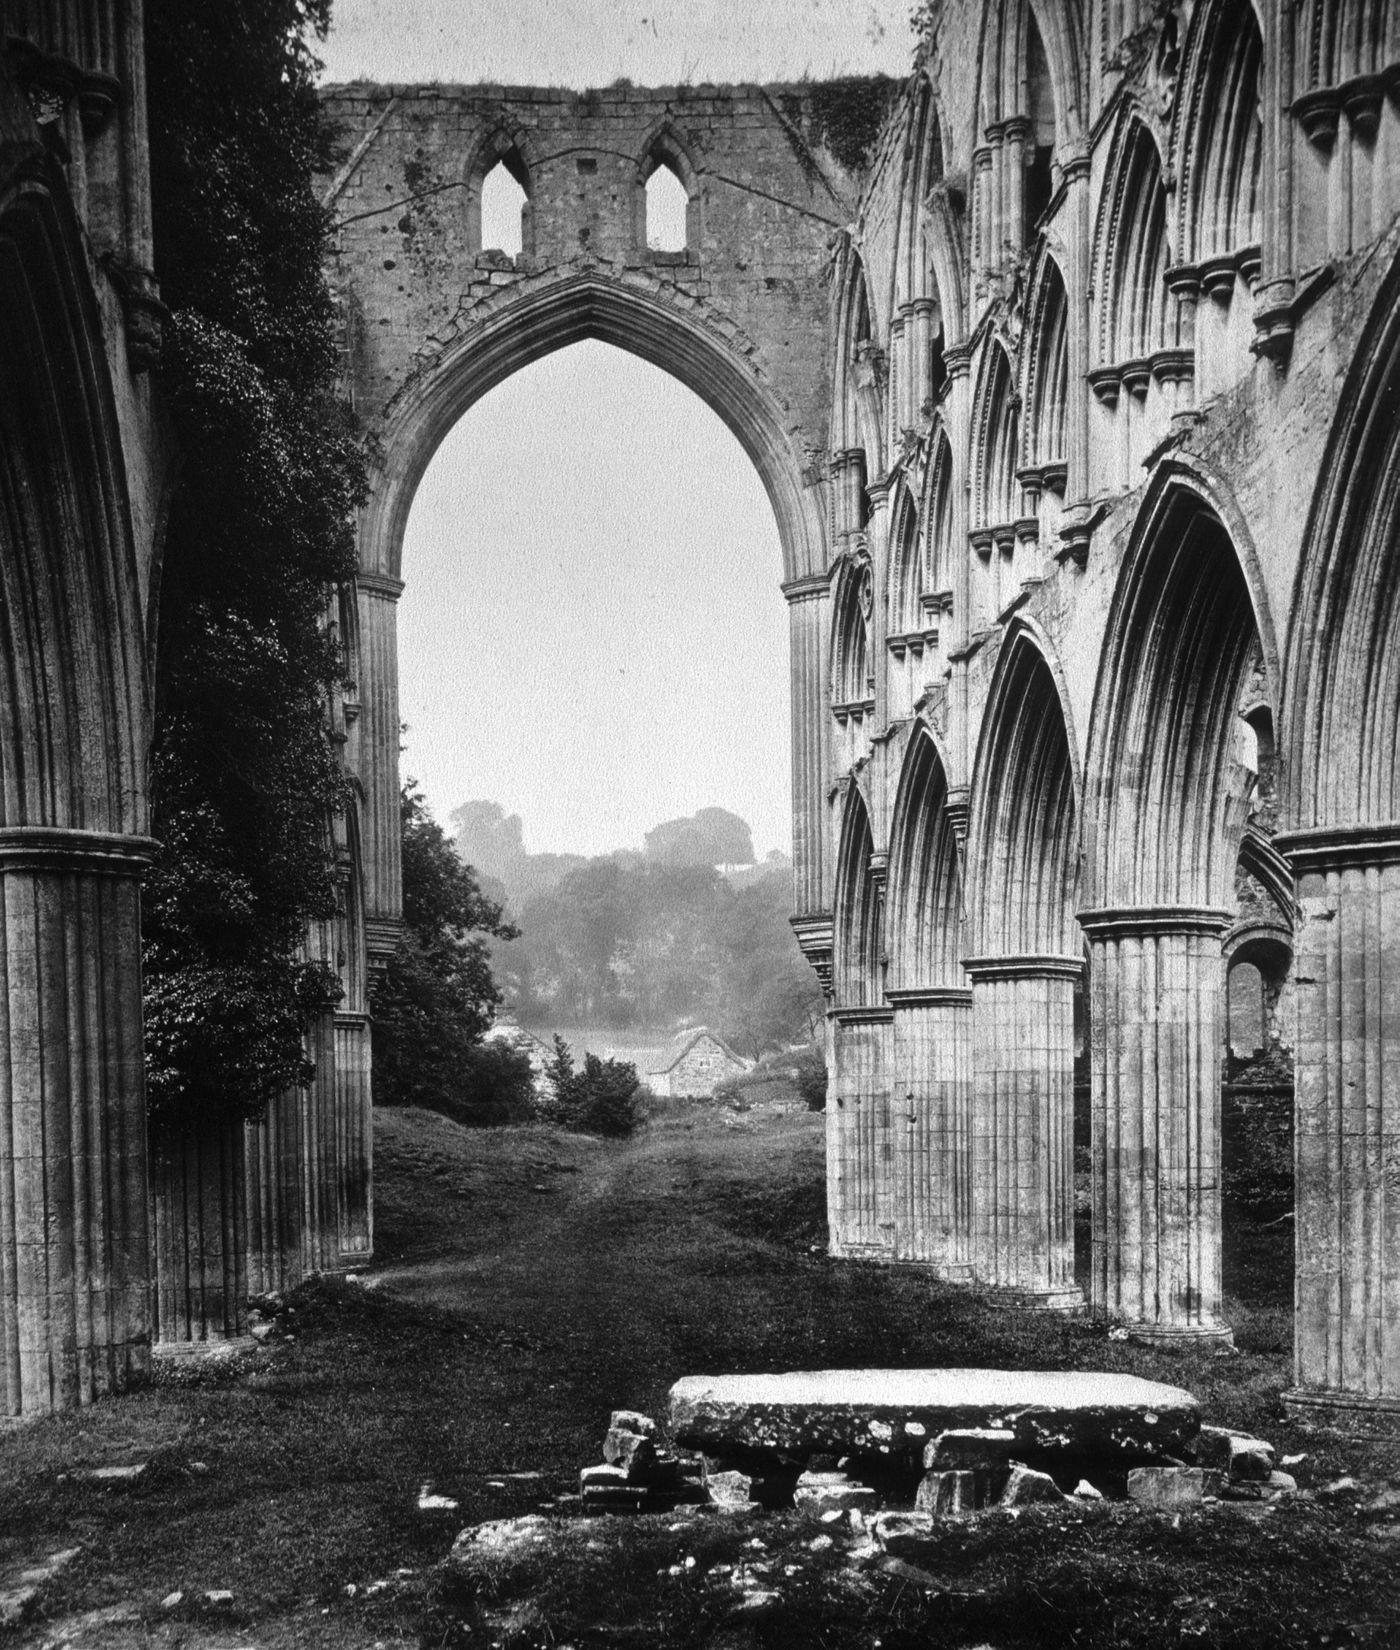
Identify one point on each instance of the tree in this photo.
(605, 1097)
(436, 995)
(713, 836)
(244, 779)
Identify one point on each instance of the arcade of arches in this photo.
(1077, 408)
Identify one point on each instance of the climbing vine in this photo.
(848, 114)
(244, 779)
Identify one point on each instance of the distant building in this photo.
(699, 1063)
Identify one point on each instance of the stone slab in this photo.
(898, 1411)
(1166, 1489)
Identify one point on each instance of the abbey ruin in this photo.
(1076, 394)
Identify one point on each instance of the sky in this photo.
(583, 43)
(592, 632)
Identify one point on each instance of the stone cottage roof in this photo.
(688, 1040)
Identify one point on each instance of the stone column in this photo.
(931, 1107)
(354, 1141)
(859, 1150)
(1347, 1129)
(379, 745)
(809, 627)
(75, 1298)
(272, 1195)
(199, 1223)
(1157, 982)
(1023, 1128)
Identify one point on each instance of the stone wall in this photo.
(1111, 318)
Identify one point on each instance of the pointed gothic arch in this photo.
(1046, 392)
(925, 899)
(1136, 314)
(1217, 141)
(857, 964)
(510, 148)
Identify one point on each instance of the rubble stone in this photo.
(952, 1494)
(1244, 1459)
(831, 1491)
(971, 1447)
(1166, 1489)
(1026, 1487)
(909, 1536)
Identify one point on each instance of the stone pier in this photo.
(75, 1309)
(1022, 1128)
(1347, 1143)
(1157, 984)
(931, 1104)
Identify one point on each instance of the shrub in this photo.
(604, 1097)
(810, 1066)
(497, 1085)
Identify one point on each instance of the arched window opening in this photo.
(1246, 1011)
(503, 203)
(1050, 386)
(667, 210)
(1040, 106)
(854, 680)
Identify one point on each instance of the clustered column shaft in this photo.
(930, 1102)
(1157, 981)
(1347, 1150)
(860, 1200)
(75, 1318)
(1022, 1127)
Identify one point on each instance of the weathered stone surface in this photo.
(729, 1489)
(1166, 1489)
(1242, 1458)
(970, 1447)
(629, 1450)
(952, 1494)
(878, 1411)
(910, 1536)
(631, 1420)
(602, 1478)
(827, 1491)
(1026, 1487)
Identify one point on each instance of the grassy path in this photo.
(525, 1284)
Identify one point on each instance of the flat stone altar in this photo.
(897, 1412)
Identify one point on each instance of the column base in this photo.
(959, 1272)
(1181, 1335)
(207, 1351)
(1007, 1298)
(1346, 1412)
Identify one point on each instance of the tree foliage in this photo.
(625, 942)
(713, 836)
(436, 995)
(603, 1097)
(243, 777)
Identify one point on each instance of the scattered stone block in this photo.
(952, 1493)
(970, 1447)
(1085, 1491)
(218, 1598)
(910, 1536)
(1026, 1487)
(16, 1604)
(823, 1492)
(604, 1477)
(623, 1498)
(1281, 1483)
(630, 1420)
(893, 1412)
(1166, 1489)
(112, 1475)
(630, 1450)
(1244, 1459)
(729, 1489)
(1339, 1488)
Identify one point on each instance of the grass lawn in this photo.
(528, 1282)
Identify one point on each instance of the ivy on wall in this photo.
(244, 778)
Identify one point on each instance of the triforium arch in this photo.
(930, 1156)
(74, 1261)
(1342, 804)
(524, 324)
(860, 1211)
(1025, 966)
(1173, 766)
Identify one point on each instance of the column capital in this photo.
(1146, 921)
(809, 588)
(1336, 847)
(872, 1014)
(929, 996)
(380, 584)
(53, 848)
(1028, 966)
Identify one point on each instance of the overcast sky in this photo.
(593, 42)
(592, 632)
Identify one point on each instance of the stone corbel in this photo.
(816, 938)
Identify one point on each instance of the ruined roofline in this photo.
(688, 92)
